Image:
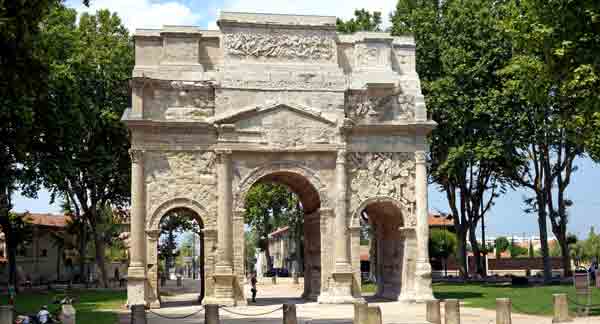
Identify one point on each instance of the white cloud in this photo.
(145, 13)
(341, 9)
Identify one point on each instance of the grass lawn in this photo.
(93, 307)
(529, 300)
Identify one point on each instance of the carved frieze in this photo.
(362, 106)
(186, 100)
(389, 175)
(285, 46)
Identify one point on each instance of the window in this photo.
(44, 253)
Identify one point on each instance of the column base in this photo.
(341, 291)
(423, 291)
(136, 286)
(224, 292)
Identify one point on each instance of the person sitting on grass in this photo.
(43, 316)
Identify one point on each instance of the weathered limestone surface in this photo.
(339, 119)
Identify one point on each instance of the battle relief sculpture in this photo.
(283, 46)
(284, 98)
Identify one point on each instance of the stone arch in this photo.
(153, 223)
(200, 214)
(406, 207)
(276, 171)
(394, 243)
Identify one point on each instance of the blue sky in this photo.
(203, 13)
(506, 217)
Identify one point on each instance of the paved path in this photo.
(271, 297)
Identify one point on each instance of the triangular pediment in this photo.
(278, 125)
(253, 111)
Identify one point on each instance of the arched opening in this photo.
(180, 260)
(382, 248)
(291, 249)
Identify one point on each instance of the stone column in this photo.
(152, 297)
(341, 289)
(224, 276)
(224, 212)
(423, 268)
(136, 277)
(342, 252)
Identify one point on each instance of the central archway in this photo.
(306, 185)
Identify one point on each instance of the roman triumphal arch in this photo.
(340, 119)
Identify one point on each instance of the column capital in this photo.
(420, 157)
(222, 155)
(136, 155)
(153, 234)
(341, 156)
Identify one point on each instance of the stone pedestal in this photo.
(7, 314)
(561, 309)
(433, 312)
(503, 311)
(289, 314)
(451, 311)
(341, 290)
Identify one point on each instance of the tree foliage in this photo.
(459, 47)
(551, 87)
(442, 243)
(363, 21)
(501, 244)
(81, 148)
(269, 206)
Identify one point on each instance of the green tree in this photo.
(501, 244)
(267, 207)
(81, 152)
(442, 244)
(172, 225)
(23, 88)
(250, 247)
(517, 250)
(459, 47)
(363, 21)
(551, 83)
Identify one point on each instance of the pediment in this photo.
(252, 111)
(278, 125)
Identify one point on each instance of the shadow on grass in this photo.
(457, 295)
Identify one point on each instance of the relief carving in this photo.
(281, 46)
(187, 100)
(361, 106)
(390, 175)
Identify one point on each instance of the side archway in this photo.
(153, 223)
(207, 241)
(391, 222)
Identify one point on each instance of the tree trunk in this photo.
(542, 223)
(461, 252)
(268, 256)
(565, 256)
(11, 246)
(58, 258)
(100, 258)
(475, 248)
(82, 251)
(373, 254)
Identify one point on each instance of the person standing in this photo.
(253, 286)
